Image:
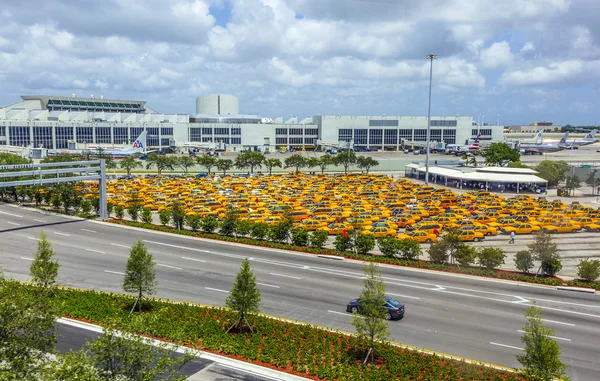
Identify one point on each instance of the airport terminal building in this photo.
(55, 122)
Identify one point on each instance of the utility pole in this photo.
(430, 57)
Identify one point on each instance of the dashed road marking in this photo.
(113, 272)
(552, 337)
(169, 266)
(38, 220)
(10, 214)
(96, 251)
(193, 259)
(34, 238)
(506, 346)
(116, 244)
(286, 276)
(559, 322)
(404, 296)
(89, 231)
(64, 234)
(268, 285)
(13, 223)
(27, 258)
(338, 312)
(216, 289)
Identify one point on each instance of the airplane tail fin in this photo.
(591, 135)
(564, 138)
(538, 137)
(140, 142)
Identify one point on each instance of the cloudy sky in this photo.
(524, 60)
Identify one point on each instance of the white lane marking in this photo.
(88, 230)
(113, 272)
(552, 337)
(193, 249)
(268, 285)
(523, 300)
(506, 346)
(27, 259)
(34, 238)
(338, 312)
(193, 259)
(216, 289)
(403, 296)
(569, 303)
(96, 251)
(116, 244)
(13, 223)
(10, 214)
(565, 311)
(65, 234)
(285, 276)
(171, 267)
(559, 322)
(38, 220)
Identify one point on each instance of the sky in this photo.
(512, 61)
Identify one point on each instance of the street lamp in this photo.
(430, 57)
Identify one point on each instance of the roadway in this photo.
(460, 315)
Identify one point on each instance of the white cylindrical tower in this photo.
(217, 104)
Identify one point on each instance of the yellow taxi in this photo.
(469, 235)
(561, 227)
(380, 232)
(420, 236)
(521, 228)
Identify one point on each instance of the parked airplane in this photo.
(475, 145)
(138, 147)
(588, 139)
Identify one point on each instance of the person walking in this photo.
(512, 237)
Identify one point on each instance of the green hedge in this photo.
(301, 349)
(583, 283)
(499, 274)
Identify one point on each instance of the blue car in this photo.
(395, 309)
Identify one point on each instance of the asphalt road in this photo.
(464, 316)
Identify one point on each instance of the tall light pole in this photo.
(430, 57)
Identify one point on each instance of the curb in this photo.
(332, 257)
(576, 289)
(250, 368)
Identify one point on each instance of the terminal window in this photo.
(390, 137)
(311, 131)
(345, 135)
(383, 123)
(42, 137)
(443, 123)
(281, 141)
(207, 131)
(19, 136)
(406, 134)
(281, 131)
(436, 135)
(166, 131)
(84, 135)
(295, 140)
(195, 134)
(103, 135)
(63, 135)
(120, 135)
(449, 136)
(2, 131)
(483, 131)
(360, 136)
(236, 131)
(295, 131)
(236, 140)
(420, 135)
(375, 136)
(221, 131)
(134, 132)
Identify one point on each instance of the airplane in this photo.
(475, 145)
(588, 139)
(138, 147)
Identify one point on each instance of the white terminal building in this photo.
(56, 122)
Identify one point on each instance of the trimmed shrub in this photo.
(438, 253)
(491, 257)
(300, 237)
(389, 246)
(588, 269)
(228, 226)
(146, 215)
(552, 266)
(86, 206)
(210, 224)
(280, 232)
(194, 221)
(364, 243)
(109, 208)
(134, 211)
(343, 243)
(164, 216)
(259, 230)
(243, 228)
(120, 211)
(524, 261)
(409, 249)
(318, 238)
(465, 255)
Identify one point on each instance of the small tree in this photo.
(244, 297)
(524, 261)
(544, 249)
(194, 221)
(500, 154)
(129, 163)
(572, 183)
(224, 165)
(243, 228)
(592, 180)
(541, 360)
(259, 230)
(364, 243)
(409, 249)
(366, 163)
(281, 231)
(300, 237)
(110, 207)
(164, 216)
(438, 252)
(465, 255)
(210, 224)
(389, 246)
(491, 257)
(249, 159)
(588, 269)
(43, 269)
(134, 210)
(140, 275)
(342, 243)
(119, 212)
(318, 238)
(370, 323)
(146, 215)
(229, 223)
(271, 163)
(207, 162)
(346, 159)
(185, 163)
(86, 207)
(296, 161)
(324, 162)
(177, 215)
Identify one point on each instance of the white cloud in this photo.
(528, 47)
(497, 55)
(552, 73)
